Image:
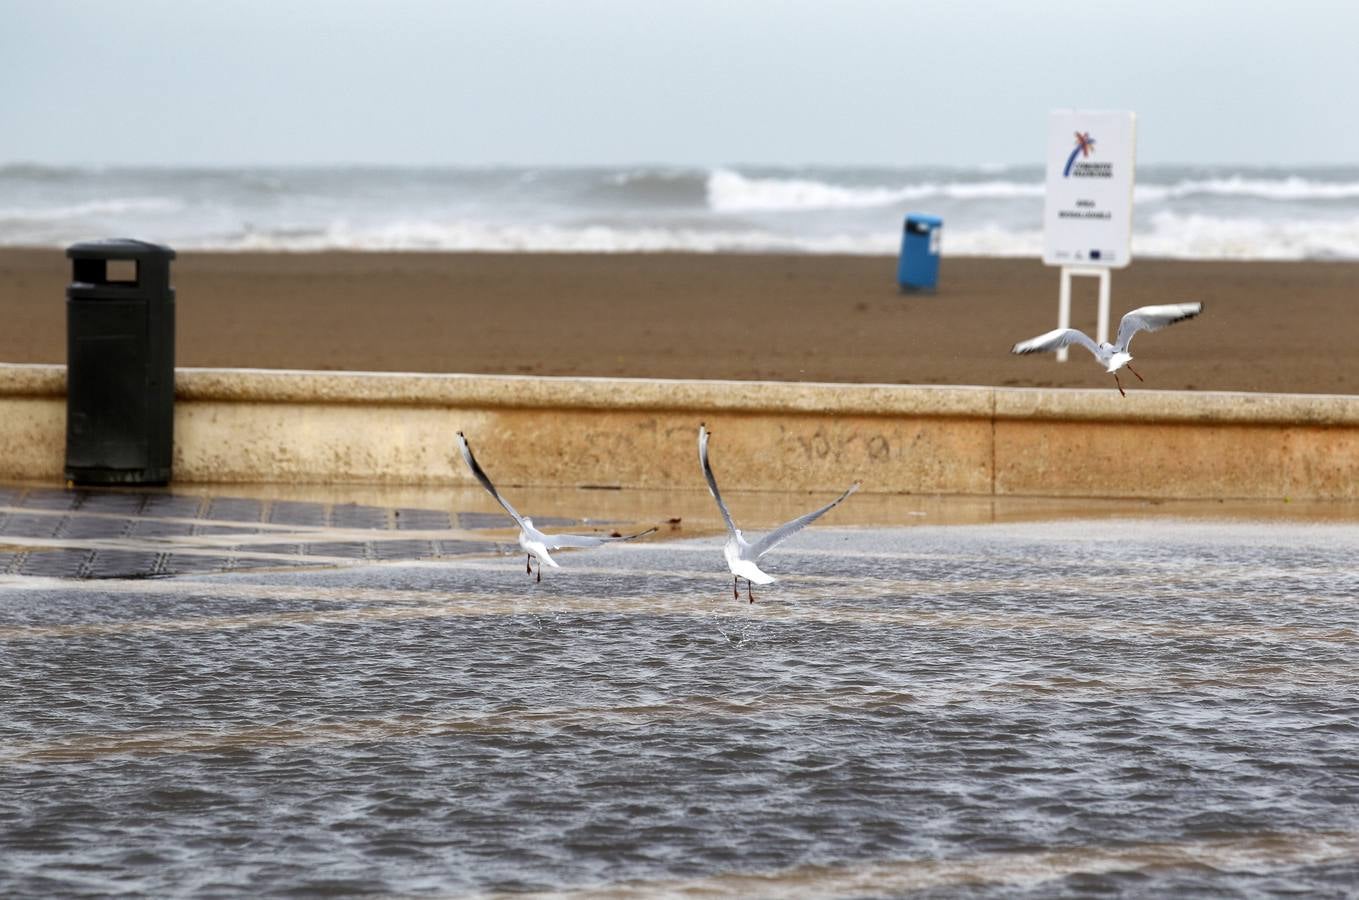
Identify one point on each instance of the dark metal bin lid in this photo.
(119, 248)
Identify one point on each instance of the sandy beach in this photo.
(1268, 326)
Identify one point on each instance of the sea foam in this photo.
(730, 191)
(1191, 212)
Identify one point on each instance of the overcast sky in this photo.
(691, 82)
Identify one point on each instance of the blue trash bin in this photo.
(918, 268)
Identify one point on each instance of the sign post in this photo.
(1087, 210)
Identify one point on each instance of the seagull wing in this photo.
(1153, 318)
(558, 541)
(485, 482)
(1056, 340)
(703, 435)
(783, 532)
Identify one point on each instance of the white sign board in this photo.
(1087, 214)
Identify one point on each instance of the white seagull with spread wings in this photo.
(1114, 356)
(742, 555)
(535, 543)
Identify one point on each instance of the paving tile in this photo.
(90, 515)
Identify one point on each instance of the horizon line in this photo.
(637, 164)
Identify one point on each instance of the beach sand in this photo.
(1268, 326)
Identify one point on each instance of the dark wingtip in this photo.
(1189, 315)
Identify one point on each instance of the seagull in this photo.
(1114, 356)
(742, 555)
(534, 542)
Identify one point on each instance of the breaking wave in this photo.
(1200, 212)
(114, 206)
(730, 191)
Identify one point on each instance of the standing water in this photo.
(1041, 709)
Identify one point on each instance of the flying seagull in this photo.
(534, 542)
(1114, 356)
(741, 554)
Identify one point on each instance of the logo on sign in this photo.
(1085, 146)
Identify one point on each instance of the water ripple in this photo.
(1030, 711)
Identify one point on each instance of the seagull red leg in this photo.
(1135, 372)
(1120, 385)
(528, 564)
(735, 587)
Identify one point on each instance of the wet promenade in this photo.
(223, 696)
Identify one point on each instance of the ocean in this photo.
(1188, 212)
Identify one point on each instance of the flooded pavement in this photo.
(1142, 704)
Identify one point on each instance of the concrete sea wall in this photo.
(257, 426)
